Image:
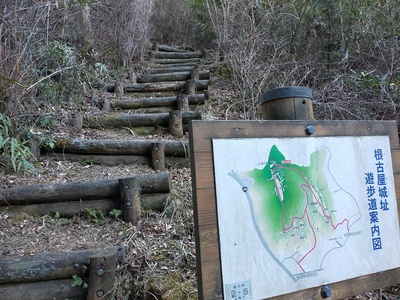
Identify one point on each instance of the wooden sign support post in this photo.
(245, 172)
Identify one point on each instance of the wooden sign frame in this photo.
(201, 133)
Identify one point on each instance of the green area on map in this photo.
(292, 200)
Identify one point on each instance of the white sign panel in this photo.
(296, 213)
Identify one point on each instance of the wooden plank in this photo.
(53, 289)
(204, 131)
(211, 281)
(49, 265)
(350, 287)
(395, 160)
(204, 170)
(208, 236)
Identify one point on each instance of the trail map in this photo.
(296, 213)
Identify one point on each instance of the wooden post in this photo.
(287, 103)
(156, 46)
(182, 102)
(190, 87)
(175, 123)
(106, 106)
(132, 77)
(130, 197)
(119, 88)
(195, 73)
(158, 155)
(77, 120)
(101, 275)
(34, 145)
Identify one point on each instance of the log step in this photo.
(170, 69)
(195, 99)
(163, 61)
(119, 147)
(163, 86)
(102, 189)
(167, 48)
(113, 120)
(177, 55)
(159, 87)
(175, 76)
(49, 265)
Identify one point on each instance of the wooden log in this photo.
(101, 159)
(175, 123)
(177, 55)
(169, 69)
(163, 86)
(175, 76)
(151, 202)
(130, 199)
(195, 99)
(164, 61)
(163, 47)
(102, 271)
(119, 88)
(158, 155)
(120, 147)
(115, 160)
(53, 289)
(49, 265)
(136, 120)
(102, 189)
(181, 64)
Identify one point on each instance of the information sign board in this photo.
(282, 211)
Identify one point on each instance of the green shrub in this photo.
(14, 153)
